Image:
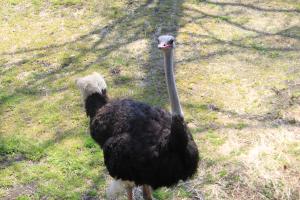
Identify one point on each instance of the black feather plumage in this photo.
(141, 143)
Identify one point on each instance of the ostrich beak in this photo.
(163, 45)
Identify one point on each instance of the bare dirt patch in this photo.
(18, 190)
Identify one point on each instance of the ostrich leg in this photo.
(147, 192)
(129, 192)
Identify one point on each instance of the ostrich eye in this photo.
(171, 41)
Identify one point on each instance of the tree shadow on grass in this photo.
(162, 17)
(165, 18)
(159, 17)
(147, 21)
(69, 65)
(11, 150)
(250, 6)
(151, 11)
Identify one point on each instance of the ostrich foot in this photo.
(147, 192)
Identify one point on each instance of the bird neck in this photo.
(170, 79)
(94, 102)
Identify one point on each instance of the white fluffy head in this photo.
(91, 84)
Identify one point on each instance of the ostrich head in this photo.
(91, 84)
(166, 42)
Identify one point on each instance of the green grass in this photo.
(14, 2)
(214, 139)
(162, 194)
(65, 2)
(230, 62)
(23, 197)
(18, 145)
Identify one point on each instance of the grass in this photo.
(237, 75)
(65, 2)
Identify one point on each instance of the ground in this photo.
(237, 70)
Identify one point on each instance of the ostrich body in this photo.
(142, 145)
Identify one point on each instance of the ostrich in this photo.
(143, 145)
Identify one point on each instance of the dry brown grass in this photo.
(237, 68)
